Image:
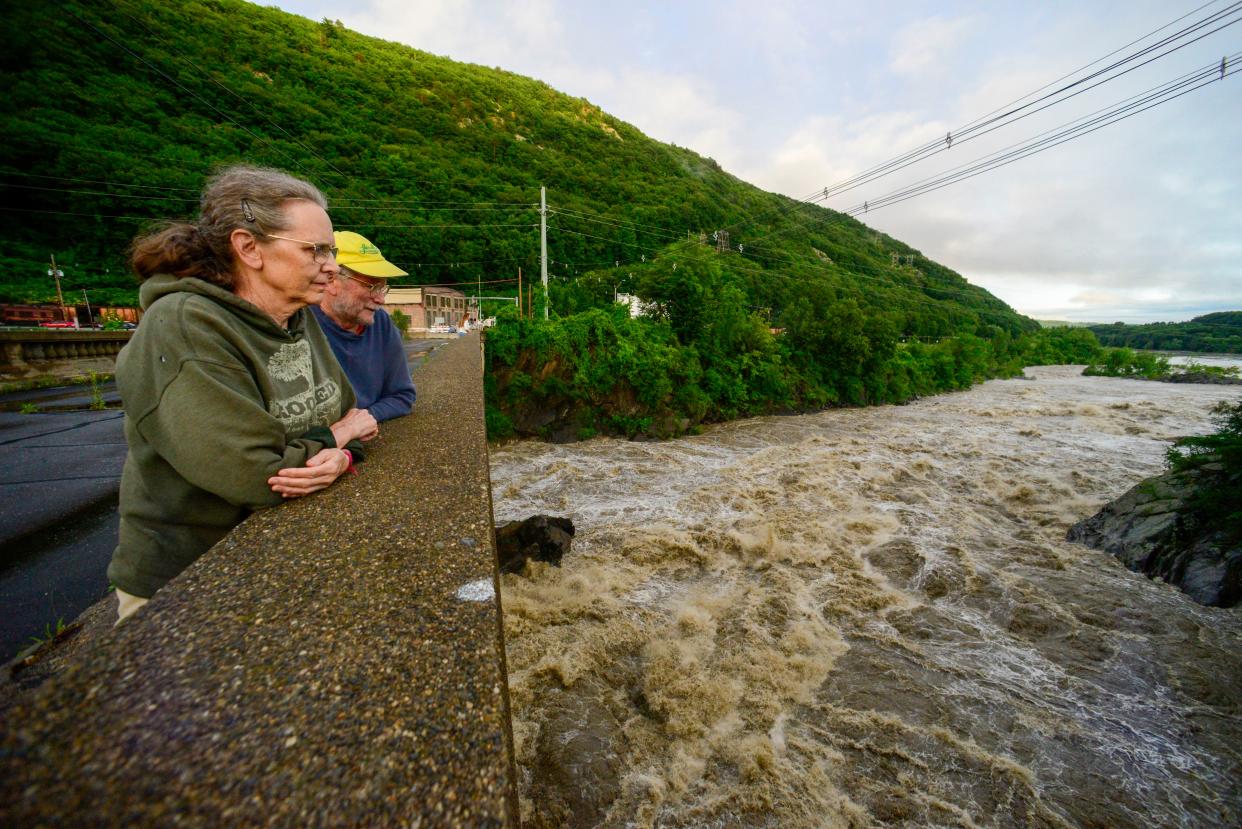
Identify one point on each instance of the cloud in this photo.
(926, 46)
(476, 31)
(826, 150)
(676, 108)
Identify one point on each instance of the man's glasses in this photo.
(376, 289)
(319, 252)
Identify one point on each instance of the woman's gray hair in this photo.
(239, 197)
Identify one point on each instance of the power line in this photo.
(931, 148)
(602, 238)
(335, 206)
(971, 130)
(330, 165)
(439, 226)
(97, 181)
(157, 219)
(1089, 65)
(199, 172)
(458, 284)
(336, 203)
(616, 223)
(583, 217)
(347, 202)
(460, 264)
(180, 85)
(76, 192)
(258, 112)
(973, 292)
(1076, 128)
(87, 215)
(1034, 147)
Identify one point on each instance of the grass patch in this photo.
(47, 381)
(49, 633)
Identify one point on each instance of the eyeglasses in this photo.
(319, 252)
(376, 289)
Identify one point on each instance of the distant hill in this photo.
(1064, 324)
(117, 111)
(1219, 332)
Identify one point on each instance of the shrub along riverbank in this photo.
(603, 372)
(1146, 365)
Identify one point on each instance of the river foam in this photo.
(869, 617)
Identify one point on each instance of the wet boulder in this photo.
(540, 537)
(1147, 529)
(577, 773)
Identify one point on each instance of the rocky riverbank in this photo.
(1149, 530)
(1212, 378)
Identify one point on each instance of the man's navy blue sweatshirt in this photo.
(375, 363)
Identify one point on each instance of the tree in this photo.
(402, 321)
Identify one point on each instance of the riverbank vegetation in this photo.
(1218, 458)
(1123, 362)
(1147, 365)
(705, 350)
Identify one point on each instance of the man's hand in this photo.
(321, 469)
(357, 423)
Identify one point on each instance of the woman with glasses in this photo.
(233, 400)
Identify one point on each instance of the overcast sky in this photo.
(1139, 221)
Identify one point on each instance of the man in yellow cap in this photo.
(363, 338)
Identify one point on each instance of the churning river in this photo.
(870, 617)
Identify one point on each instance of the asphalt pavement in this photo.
(59, 477)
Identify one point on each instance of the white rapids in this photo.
(870, 617)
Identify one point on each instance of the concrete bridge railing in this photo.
(336, 661)
(27, 353)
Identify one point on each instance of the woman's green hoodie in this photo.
(217, 398)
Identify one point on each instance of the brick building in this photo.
(429, 306)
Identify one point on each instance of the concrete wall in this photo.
(335, 661)
(31, 353)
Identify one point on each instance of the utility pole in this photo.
(57, 273)
(543, 248)
(90, 315)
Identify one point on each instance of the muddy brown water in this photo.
(870, 617)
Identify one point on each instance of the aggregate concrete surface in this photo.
(316, 668)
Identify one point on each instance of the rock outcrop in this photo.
(1148, 529)
(1203, 377)
(540, 537)
(577, 765)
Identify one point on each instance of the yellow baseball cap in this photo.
(360, 256)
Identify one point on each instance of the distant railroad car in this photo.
(28, 314)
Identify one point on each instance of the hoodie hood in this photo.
(161, 285)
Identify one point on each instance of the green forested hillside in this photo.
(1220, 332)
(118, 110)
